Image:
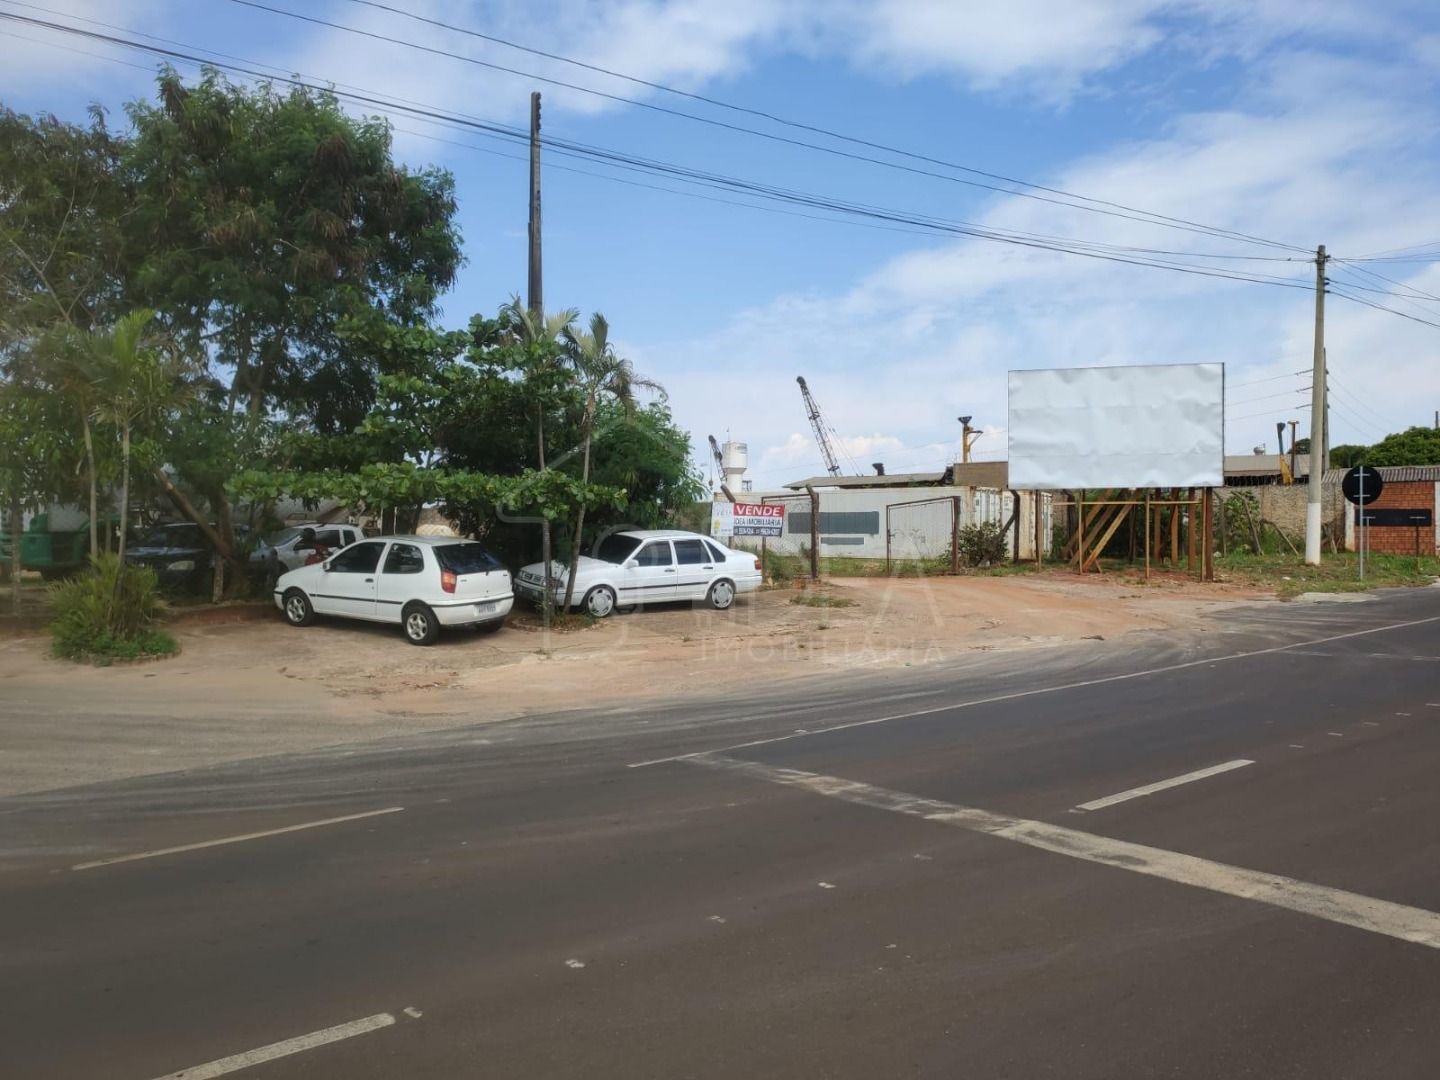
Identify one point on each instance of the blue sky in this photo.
(1297, 121)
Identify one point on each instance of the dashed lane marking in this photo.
(236, 1062)
(234, 839)
(1163, 785)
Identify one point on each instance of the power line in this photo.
(799, 125)
(1093, 205)
(682, 173)
(1415, 293)
(1269, 397)
(1251, 416)
(1272, 378)
(1381, 307)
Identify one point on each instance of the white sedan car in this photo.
(649, 567)
(420, 582)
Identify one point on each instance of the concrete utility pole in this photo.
(1318, 435)
(536, 299)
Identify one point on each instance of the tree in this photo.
(542, 364)
(138, 382)
(600, 373)
(264, 223)
(1414, 446)
(62, 205)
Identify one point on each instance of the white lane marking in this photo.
(1415, 925)
(824, 884)
(576, 964)
(412, 1012)
(1032, 693)
(233, 839)
(1372, 723)
(297, 1045)
(1297, 746)
(1161, 785)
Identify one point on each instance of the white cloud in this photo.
(35, 57)
(929, 335)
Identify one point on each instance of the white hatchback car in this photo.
(420, 582)
(649, 567)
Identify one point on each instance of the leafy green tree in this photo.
(265, 228)
(62, 207)
(1347, 455)
(139, 383)
(600, 374)
(543, 368)
(1414, 446)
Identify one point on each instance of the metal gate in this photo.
(922, 530)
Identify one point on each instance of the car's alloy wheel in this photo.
(298, 611)
(600, 601)
(722, 595)
(420, 625)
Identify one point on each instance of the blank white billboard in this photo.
(1159, 425)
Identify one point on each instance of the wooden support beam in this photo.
(1099, 545)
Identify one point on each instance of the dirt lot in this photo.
(260, 686)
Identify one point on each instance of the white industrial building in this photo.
(903, 516)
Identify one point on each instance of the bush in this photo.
(983, 544)
(106, 615)
(782, 569)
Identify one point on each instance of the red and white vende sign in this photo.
(758, 519)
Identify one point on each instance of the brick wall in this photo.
(1400, 540)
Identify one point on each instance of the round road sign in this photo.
(1362, 485)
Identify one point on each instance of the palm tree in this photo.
(541, 336)
(600, 372)
(137, 383)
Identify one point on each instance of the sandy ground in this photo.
(262, 686)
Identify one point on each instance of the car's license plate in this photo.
(488, 605)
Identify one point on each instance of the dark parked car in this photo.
(179, 554)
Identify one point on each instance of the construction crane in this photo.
(817, 424)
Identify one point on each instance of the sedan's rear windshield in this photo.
(466, 558)
(616, 548)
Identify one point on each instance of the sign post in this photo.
(1362, 485)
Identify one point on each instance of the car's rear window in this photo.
(466, 558)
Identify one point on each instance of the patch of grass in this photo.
(1290, 577)
(821, 600)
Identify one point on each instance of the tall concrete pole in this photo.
(536, 299)
(1318, 434)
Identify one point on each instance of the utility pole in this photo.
(536, 299)
(1318, 400)
(1294, 424)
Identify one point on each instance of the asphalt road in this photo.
(877, 876)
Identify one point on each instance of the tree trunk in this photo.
(124, 519)
(220, 542)
(90, 469)
(548, 600)
(579, 518)
(16, 514)
(124, 490)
